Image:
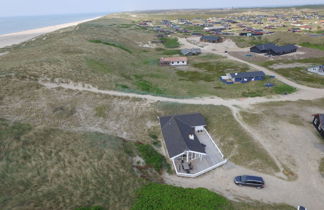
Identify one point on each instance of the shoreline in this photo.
(10, 39)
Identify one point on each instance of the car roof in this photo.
(252, 178)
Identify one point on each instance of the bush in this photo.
(160, 196)
(152, 157)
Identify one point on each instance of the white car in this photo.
(301, 208)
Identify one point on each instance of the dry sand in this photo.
(19, 37)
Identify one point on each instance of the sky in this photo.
(48, 7)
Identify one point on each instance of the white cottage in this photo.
(174, 61)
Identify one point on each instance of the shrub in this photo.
(152, 157)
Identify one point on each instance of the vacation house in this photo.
(318, 123)
(272, 49)
(317, 69)
(189, 146)
(243, 77)
(174, 61)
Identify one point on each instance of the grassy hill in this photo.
(109, 54)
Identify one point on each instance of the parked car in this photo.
(247, 180)
(301, 208)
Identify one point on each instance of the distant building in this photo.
(317, 69)
(272, 49)
(174, 61)
(190, 52)
(318, 123)
(243, 77)
(211, 39)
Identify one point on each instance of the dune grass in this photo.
(43, 168)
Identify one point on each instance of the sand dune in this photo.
(19, 37)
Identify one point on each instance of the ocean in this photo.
(22, 23)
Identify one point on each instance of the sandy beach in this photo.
(19, 37)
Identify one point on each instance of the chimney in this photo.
(191, 137)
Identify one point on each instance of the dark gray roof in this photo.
(248, 74)
(176, 130)
(283, 49)
(275, 48)
(267, 46)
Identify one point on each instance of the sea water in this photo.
(22, 23)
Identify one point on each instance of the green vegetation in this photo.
(152, 157)
(284, 89)
(315, 46)
(160, 196)
(118, 45)
(299, 74)
(106, 62)
(170, 42)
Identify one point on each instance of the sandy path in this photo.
(19, 37)
(242, 102)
